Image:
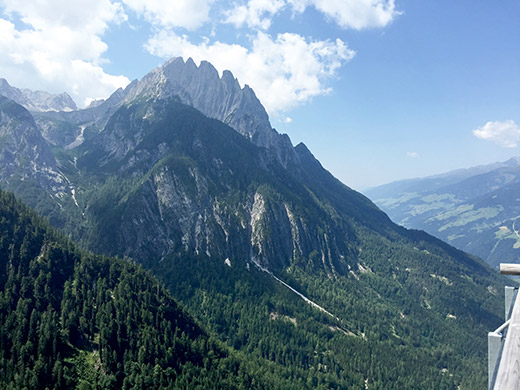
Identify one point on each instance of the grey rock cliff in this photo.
(44, 101)
(24, 154)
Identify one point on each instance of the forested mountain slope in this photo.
(70, 319)
(217, 215)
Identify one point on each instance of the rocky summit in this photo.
(218, 97)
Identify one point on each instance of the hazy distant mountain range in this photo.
(474, 209)
(307, 279)
(37, 100)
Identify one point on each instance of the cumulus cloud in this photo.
(59, 48)
(256, 13)
(355, 14)
(90, 16)
(189, 14)
(506, 133)
(284, 71)
(358, 14)
(413, 155)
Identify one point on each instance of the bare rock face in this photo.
(24, 154)
(44, 101)
(114, 100)
(13, 93)
(172, 213)
(196, 186)
(216, 97)
(37, 100)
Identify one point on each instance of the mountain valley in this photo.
(182, 173)
(474, 209)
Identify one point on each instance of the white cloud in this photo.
(506, 133)
(189, 14)
(60, 48)
(57, 39)
(284, 72)
(288, 120)
(355, 14)
(256, 13)
(358, 14)
(89, 16)
(413, 155)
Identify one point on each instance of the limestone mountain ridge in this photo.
(37, 100)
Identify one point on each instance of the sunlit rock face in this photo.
(218, 97)
(24, 154)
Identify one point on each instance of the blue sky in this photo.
(378, 90)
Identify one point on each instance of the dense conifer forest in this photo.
(71, 319)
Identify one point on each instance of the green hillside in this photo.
(70, 319)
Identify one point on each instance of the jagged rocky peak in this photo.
(230, 81)
(13, 93)
(113, 100)
(513, 162)
(96, 103)
(37, 100)
(218, 97)
(45, 101)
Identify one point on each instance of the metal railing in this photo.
(504, 342)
